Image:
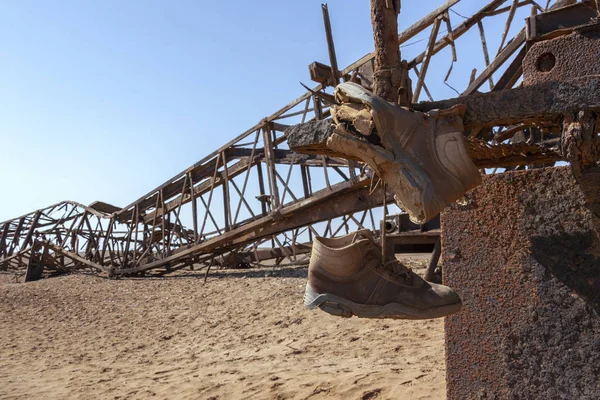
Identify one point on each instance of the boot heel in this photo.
(311, 298)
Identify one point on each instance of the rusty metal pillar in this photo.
(521, 256)
(390, 77)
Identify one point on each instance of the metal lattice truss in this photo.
(253, 191)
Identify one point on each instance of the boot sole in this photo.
(345, 308)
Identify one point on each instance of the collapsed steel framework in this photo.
(254, 189)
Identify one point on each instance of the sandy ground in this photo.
(243, 335)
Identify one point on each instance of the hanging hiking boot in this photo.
(346, 277)
(421, 156)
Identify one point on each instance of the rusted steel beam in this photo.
(132, 225)
(543, 102)
(32, 227)
(507, 8)
(285, 156)
(512, 74)
(16, 234)
(8, 262)
(75, 257)
(226, 195)
(105, 243)
(504, 55)
(204, 187)
(194, 209)
(242, 200)
(429, 19)
(425, 64)
(243, 192)
(509, 19)
(210, 196)
(518, 160)
(270, 163)
(261, 188)
(433, 261)
(557, 22)
(286, 184)
(163, 222)
(484, 47)
(343, 198)
(3, 237)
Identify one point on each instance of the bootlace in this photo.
(396, 269)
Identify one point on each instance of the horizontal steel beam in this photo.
(542, 102)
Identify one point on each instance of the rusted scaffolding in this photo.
(257, 198)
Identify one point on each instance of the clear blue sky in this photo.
(105, 100)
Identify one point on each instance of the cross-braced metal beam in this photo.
(254, 189)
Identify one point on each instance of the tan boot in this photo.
(421, 156)
(347, 277)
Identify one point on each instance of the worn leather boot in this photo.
(346, 277)
(421, 156)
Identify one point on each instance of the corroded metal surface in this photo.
(523, 256)
(567, 57)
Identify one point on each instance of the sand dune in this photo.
(243, 335)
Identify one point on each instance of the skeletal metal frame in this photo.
(242, 195)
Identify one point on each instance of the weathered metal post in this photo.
(521, 256)
(330, 45)
(390, 78)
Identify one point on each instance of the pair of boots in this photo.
(423, 160)
(347, 276)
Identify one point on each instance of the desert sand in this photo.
(244, 334)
